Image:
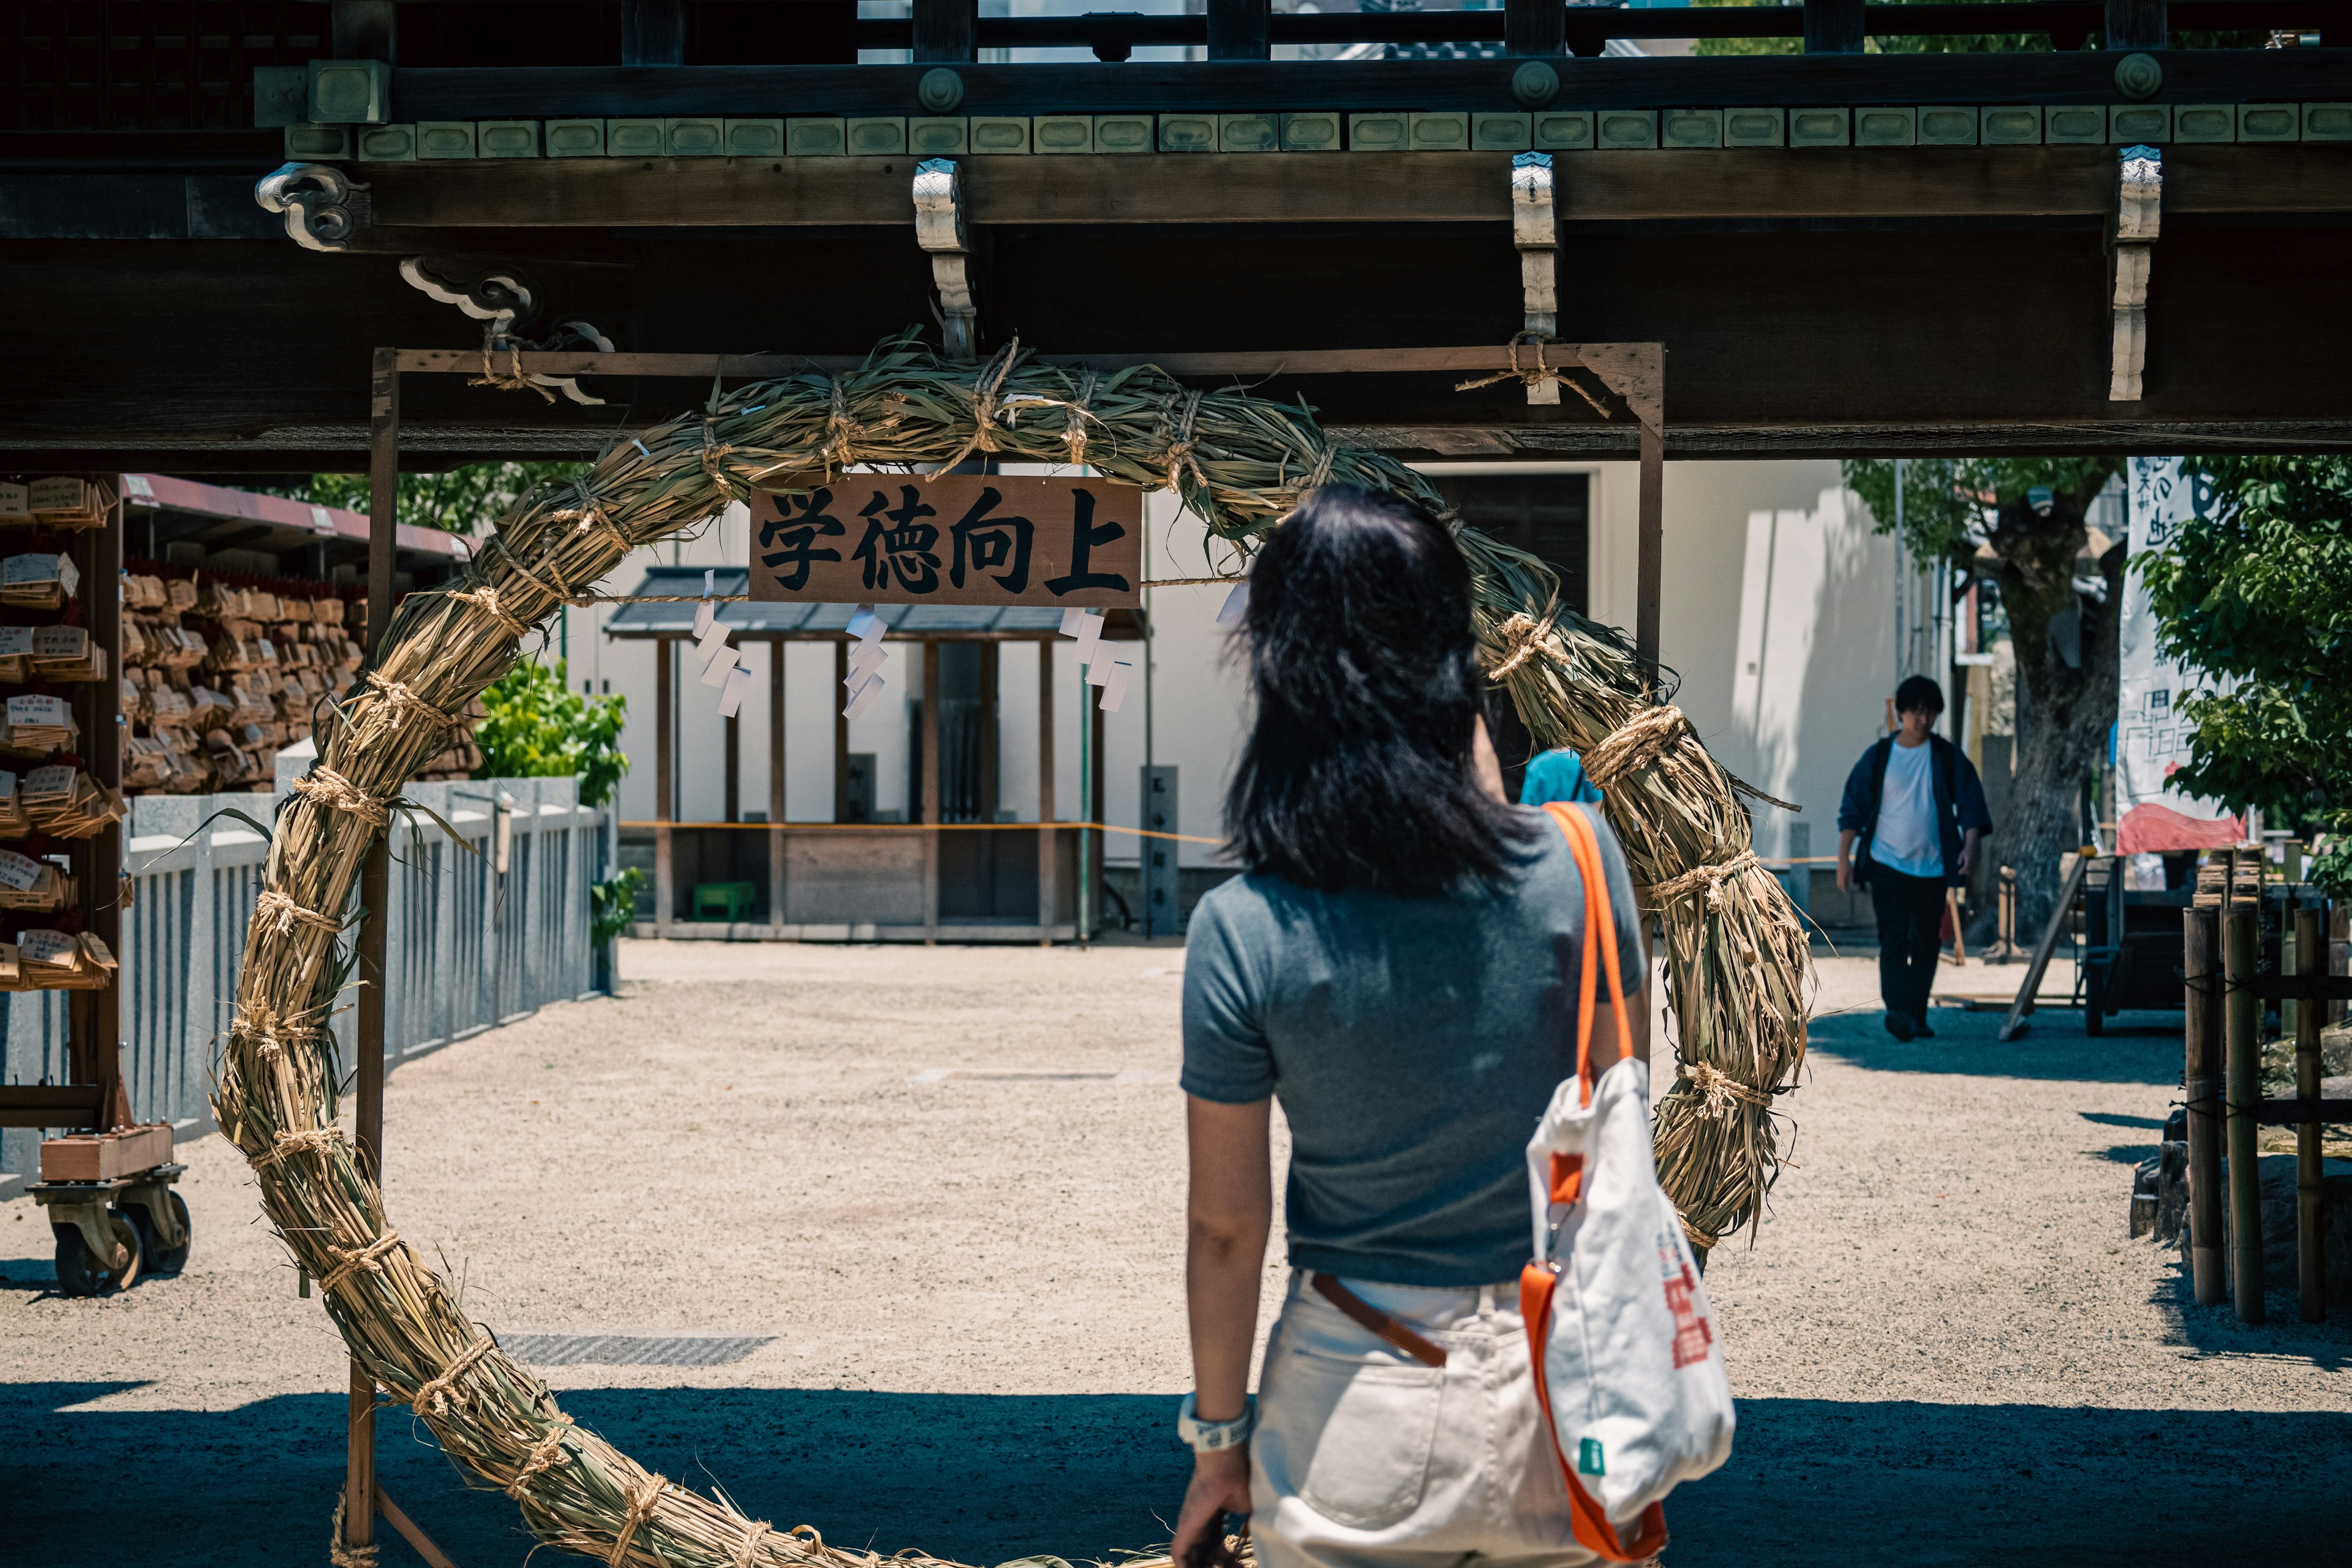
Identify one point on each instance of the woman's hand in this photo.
(1220, 1485)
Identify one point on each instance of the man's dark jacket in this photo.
(1959, 802)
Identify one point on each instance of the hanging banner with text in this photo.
(2151, 740)
(955, 539)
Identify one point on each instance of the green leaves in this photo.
(539, 726)
(1945, 500)
(459, 501)
(2260, 590)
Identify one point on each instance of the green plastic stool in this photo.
(730, 901)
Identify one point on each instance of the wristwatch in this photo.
(1209, 1436)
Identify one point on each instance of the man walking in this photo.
(1917, 807)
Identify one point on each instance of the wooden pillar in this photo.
(1048, 889)
(375, 887)
(2200, 971)
(2135, 25)
(732, 808)
(989, 760)
(99, 859)
(841, 731)
(653, 32)
(946, 31)
(2311, 1256)
(1833, 26)
(776, 781)
(1651, 549)
(931, 791)
(665, 787)
(365, 31)
(1534, 26)
(2242, 1018)
(1091, 708)
(1239, 29)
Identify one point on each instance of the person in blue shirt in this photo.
(1913, 812)
(1557, 774)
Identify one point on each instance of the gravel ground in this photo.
(966, 1290)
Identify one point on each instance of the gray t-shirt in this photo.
(1413, 1043)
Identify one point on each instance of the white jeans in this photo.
(1365, 1458)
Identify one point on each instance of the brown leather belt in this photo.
(1328, 1287)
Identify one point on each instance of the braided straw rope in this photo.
(1737, 968)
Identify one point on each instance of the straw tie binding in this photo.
(343, 1556)
(1643, 741)
(402, 699)
(1523, 636)
(332, 790)
(440, 1393)
(1721, 1090)
(313, 1140)
(274, 906)
(641, 1507)
(351, 1260)
(746, 1551)
(545, 1453)
(986, 388)
(486, 597)
(1707, 878)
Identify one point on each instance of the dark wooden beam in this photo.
(1534, 27)
(2136, 25)
(366, 30)
(945, 31)
(653, 33)
(1833, 26)
(1238, 29)
(1895, 184)
(2190, 76)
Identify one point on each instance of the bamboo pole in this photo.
(2311, 1259)
(2201, 1086)
(2242, 1018)
(665, 786)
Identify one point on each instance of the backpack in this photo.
(1627, 1368)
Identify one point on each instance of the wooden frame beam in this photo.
(2078, 180)
(2190, 76)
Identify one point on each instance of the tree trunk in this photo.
(2064, 710)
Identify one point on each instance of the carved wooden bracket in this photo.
(316, 202)
(2140, 204)
(939, 229)
(1536, 235)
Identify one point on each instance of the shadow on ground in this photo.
(985, 1478)
(2138, 1047)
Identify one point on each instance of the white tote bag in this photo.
(1626, 1363)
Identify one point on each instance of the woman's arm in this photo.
(1229, 1212)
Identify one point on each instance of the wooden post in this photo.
(1048, 889)
(1238, 29)
(776, 780)
(99, 859)
(1534, 27)
(1090, 704)
(931, 791)
(1833, 26)
(731, 796)
(664, 789)
(2201, 1086)
(946, 31)
(1650, 569)
(2311, 1256)
(841, 731)
(375, 887)
(989, 760)
(653, 32)
(2135, 25)
(2241, 1017)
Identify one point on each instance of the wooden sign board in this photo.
(955, 538)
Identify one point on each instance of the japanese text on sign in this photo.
(958, 539)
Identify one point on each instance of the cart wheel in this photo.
(162, 1259)
(79, 1274)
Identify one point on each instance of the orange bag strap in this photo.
(1599, 930)
(1586, 1516)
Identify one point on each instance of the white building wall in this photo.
(1778, 613)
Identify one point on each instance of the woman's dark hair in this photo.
(1359, 771)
